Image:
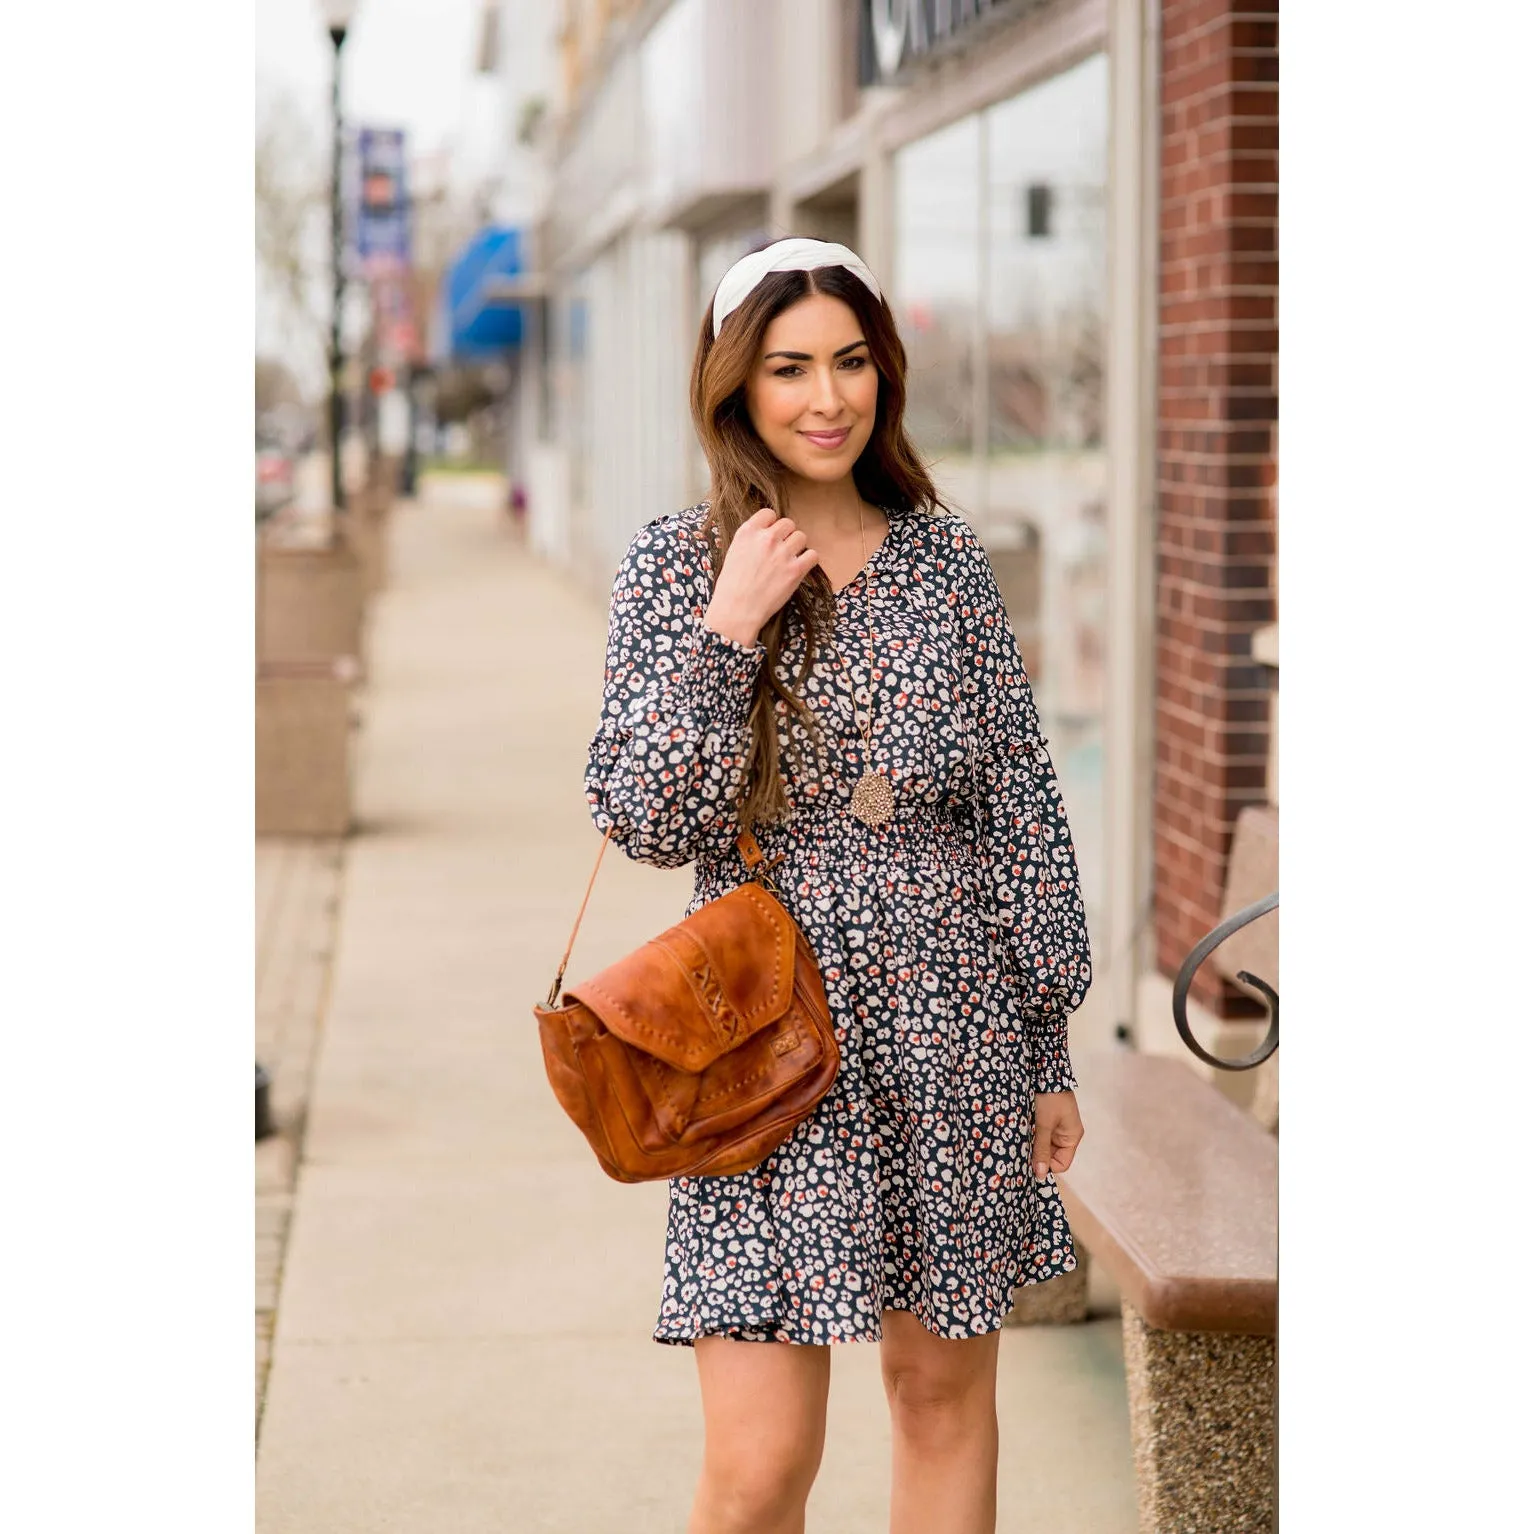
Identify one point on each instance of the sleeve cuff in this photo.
(1049, 1055)
(720, 670)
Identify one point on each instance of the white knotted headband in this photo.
(795, 255)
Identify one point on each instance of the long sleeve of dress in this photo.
(668, 759)
(1024, 840)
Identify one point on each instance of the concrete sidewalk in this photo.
(463, 1330)
(298, 893)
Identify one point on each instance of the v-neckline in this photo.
(889, 532)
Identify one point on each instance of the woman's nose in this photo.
(828, 399)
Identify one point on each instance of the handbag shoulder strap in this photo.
(756, 863)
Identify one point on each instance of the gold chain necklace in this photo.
(873, 799)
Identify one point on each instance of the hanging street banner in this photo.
(381, 222)
(394, 322)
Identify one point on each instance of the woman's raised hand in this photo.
(767, 559)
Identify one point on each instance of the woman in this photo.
(927, 859)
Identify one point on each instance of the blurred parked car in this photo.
(274, 478)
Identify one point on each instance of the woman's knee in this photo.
(939, 1390)
(760, 1483)
(940, 1414)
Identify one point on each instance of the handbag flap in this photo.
(703, 986)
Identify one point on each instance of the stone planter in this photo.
(310, 603)
(303, 748)
(366, 531)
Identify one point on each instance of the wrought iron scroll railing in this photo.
(1201, 951)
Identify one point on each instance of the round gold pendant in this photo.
(873, 800)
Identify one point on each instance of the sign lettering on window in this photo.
(894, 35)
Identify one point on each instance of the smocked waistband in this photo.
(828, 820)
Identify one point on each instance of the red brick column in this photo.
(1217, 411)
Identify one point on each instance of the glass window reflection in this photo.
(1018, 447)
(937, 295)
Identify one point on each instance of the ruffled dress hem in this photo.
(763, 1323)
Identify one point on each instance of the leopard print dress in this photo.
(952, 939)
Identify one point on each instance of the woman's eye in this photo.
(792, 369)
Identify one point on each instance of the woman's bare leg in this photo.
(942, 1397)
(764, 1417)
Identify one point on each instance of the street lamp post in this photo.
(338, 15)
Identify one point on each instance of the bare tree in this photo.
(292, 201)
(275, 385)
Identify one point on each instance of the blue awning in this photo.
(474, 327)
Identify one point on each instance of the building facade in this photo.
(1072, 207)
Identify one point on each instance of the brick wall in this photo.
(1217, 410)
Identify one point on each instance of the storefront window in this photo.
(937, 296)
(713, 255)
(1016, 443)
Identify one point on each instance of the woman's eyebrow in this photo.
(805, 356)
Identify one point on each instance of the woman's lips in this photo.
(828, 439)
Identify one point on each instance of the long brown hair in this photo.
(744, 476)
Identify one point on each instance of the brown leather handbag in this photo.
(701, 1051)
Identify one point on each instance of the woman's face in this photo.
(813, 392)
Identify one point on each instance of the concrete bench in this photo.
(1174, 1191)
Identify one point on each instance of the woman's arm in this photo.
(1025, 840)
(668, 759)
